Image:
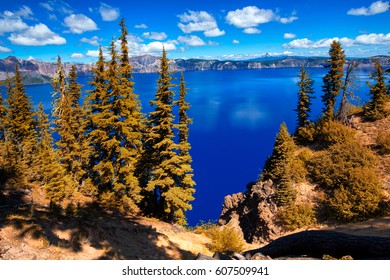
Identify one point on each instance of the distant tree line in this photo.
(106, 149)
(326, 152)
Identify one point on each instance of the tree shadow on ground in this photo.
(115, 236)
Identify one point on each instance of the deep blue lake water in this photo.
(236, 116)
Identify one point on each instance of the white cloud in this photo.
(11, 25)
(76, 55)
(108, 13)
(249, 16)
(375, 8)
(5, 50)
(155, 35)
(289, 36)
(366, 39)
(157, 47)
(288, 20)
(30, 58)
(80, 23)
(57, 6)
(141, 26)
(192, 41)
(236, 42)
(252, 30)
(38, 35)
(94, 41)
(199, 22)
(373, 39)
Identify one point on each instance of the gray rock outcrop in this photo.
(252, 212)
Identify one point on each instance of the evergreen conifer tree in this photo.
(170, 199)
(333, 82)
(376, 107)
(305, 95)
(56, 181)
(185, 177)
(69, 123)
(278, 167)
(20, 124)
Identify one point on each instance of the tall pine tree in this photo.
(333, 80)
(168, 197)
(20, 124)
(278, 167)
(57, 182)
(376, 107)
(305, 94)
(69, 122)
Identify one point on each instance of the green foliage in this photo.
(346, 171)
(296, 216)
(305, 134)
(279, 167)
(333, 83)
(58, 183)
(376, 107)
(20, 128)
(170, 186)
(305, 94)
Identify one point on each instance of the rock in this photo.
(259, 256)
(253, 212)
(220, 256)
(203, 257)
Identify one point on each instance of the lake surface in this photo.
(236, 116)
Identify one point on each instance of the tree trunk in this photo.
(318, 243)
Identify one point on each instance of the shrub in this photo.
(331, 132)
(346, 171)
(383, 142)
(222, 238)
(306, 134)
(360, 199)
(296, 216)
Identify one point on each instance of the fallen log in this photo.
(317, 243)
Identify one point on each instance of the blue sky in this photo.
(222, 29)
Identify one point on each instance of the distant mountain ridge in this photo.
(38, 72)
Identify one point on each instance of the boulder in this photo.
(252, 212)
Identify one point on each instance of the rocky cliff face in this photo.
(253, 212)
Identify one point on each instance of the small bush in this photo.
(306, 134)
(222, 238)
(296, 216)
(383, 142)
(331, 132)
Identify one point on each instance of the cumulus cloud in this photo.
(24, 12)
(94, 41)
(250, 16)
(11, 24)
(108, 13)
(141, 26)
(199, 22)
(76, 55)
(192, 41)
(289, 36)
(366, 39)
(5, 50)
(373, 39)
(252, 30)
(79, 23)
(236, 42)
(138, 47)
(155, 35)
(375, 8)
(38, 35)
